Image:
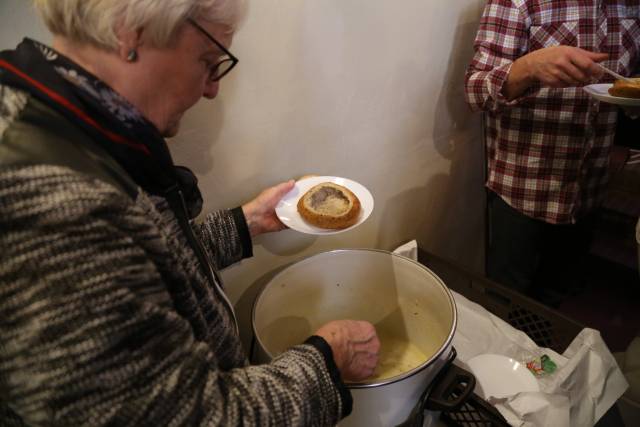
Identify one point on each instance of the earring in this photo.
(132, 56)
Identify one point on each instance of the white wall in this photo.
(17, 21)
(366, 89)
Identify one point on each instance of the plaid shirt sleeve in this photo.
(502, 38)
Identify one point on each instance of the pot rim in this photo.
(446, 344)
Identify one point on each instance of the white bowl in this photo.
(501, 376)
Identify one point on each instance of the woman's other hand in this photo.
(355, 347)
(260, 213)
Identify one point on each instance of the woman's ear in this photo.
(129, 41)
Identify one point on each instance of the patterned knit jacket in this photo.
(106, 314)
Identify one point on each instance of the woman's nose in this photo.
(211, 89)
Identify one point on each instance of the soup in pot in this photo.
(397, 355)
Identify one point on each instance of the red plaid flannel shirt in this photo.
(548, 150)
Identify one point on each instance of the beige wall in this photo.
(366, 89)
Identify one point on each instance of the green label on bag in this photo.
(548, 365)
(541, 366)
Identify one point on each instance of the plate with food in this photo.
(621, 92)
(325, 205)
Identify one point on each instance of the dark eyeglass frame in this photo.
(230, 58)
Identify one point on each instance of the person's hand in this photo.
(564, 66)
(260, 213)
(555, 66)
(355, 347)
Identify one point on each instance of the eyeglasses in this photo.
(226, 63)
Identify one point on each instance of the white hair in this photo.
(96, 21)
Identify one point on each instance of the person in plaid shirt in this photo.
(547, 142)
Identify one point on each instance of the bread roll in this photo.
(626, 89)
(329, 205)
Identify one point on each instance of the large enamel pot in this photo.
(400, 297)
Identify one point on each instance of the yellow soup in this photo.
(397, 355)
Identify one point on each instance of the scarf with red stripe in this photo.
(103, 114)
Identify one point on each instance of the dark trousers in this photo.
(544, 261)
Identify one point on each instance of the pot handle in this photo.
(447, 392)
(451, 388)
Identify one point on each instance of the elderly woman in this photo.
(111, 307)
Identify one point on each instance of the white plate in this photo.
(500, 376)
(600, 92)
(287, 209)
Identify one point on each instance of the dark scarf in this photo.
(106, 116)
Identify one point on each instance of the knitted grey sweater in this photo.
(107, 319)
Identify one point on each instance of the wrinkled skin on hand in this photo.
(260, 213)
(355, 347)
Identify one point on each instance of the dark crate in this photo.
(546, 327)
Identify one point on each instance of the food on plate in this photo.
(626, 88)
(329, 205)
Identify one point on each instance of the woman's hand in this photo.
(355, 347)
(260, 213)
